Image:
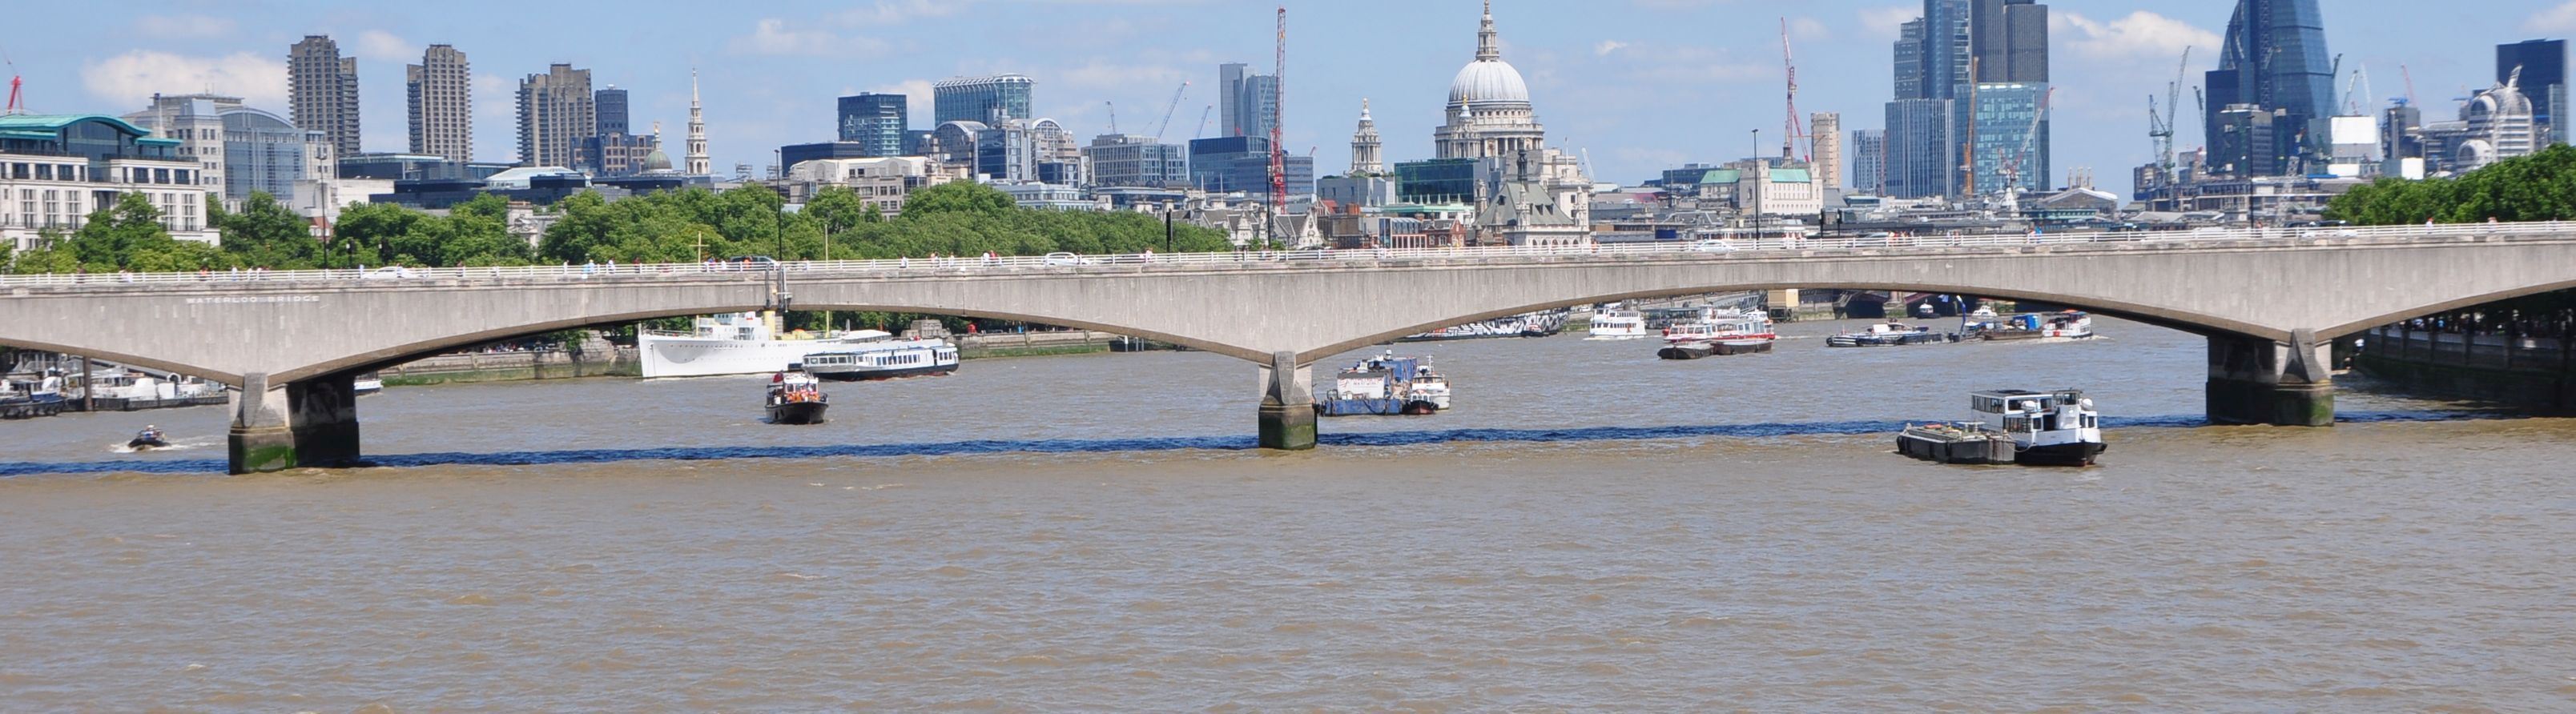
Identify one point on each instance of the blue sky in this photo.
(1639, 85)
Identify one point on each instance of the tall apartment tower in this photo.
(2273, 61)
(441, 93)
(1365, 160)
(322, 91)
(1869, 161)
(982, 99)
(1827, 128)
(2544, 79)
(556, 112)
(610, 106)
(698, 164)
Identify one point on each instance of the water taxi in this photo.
(796, 397)
(1890, 333)
(1618, 323)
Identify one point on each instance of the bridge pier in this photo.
(1287, 404)
(2259, 381)
(312, 423)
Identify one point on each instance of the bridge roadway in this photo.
(2268, 301)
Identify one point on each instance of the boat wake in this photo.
(180, 445)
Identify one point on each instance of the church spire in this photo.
(697, 157)
(1488, 46)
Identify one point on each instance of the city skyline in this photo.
(1613, 91)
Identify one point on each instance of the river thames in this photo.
(1589, 529)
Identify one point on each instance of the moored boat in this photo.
(1383, 385)
(2047, 327)
(2013, 426)
(1534, 324)
(796, 397)
(1890, 333)
(735, 343)
(366, 383)
(1725, 331)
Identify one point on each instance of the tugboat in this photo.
(795, 397)
(1888, 334)
(2013, 426)
(148, 438)
(1383, 385)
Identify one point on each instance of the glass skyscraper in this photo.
(2544, 80)
(877, 122)
(982, 99)
(1955, 53)
(2274, 60)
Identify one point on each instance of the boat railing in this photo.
(1271, 259)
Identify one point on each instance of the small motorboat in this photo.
(148, 438)
(796, 397)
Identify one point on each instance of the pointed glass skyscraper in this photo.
(2275, 64)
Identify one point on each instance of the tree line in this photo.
(2539, 187)
(960, 218)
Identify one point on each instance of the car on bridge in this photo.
(1712, 245)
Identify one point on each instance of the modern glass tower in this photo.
(876, 121)
(2274, 60)
(2543, 65)
(982, 99)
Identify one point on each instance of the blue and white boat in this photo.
(1385, 385)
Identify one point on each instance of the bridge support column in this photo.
(2258, 381)
(1287, 404)
(312, 423)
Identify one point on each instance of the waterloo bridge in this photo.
(2268, 301)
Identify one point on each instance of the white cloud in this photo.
(179, 27)
(896, 12)
(1888, 22)
(2556, 19)
(130, 79)
(774, 37)
(1807, 28)
(2141, 35)
(1607, 46)
(383, 46)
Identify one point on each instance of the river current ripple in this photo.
(1592, 529)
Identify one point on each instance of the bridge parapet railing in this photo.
(1066, 262)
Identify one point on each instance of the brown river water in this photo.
(1590, 529)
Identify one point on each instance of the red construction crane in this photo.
(1279, 156)
(1789, 139)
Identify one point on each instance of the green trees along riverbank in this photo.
(2539, 187)
(679, 226)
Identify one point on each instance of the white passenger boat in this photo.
(735, 343)
(1618, 323)
(2013, 426)
(366, 383)
(1719, 331)
(873, 355)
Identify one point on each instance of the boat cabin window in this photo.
(2017, 423)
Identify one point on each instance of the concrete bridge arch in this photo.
(2267, 306)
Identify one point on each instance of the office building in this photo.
(2273, 61)
(1229, 164)
(618, 155)
(1827, 130)
(56, 169)
(556, 113)
(440, 91)
(982, 99)
(2543, 64)
(609, 108)
(322, 90)
(2007, 137)
(240, 150)
(1869, 161)
(2500, 126)
(877, 122)
(1133, 161)
(1249, 102)
(1920, 160)
(1931, 61)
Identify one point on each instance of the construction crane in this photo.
(17, 102)
(1203, 120)
(1113, 116)
(2410, 83)
(2160, 128)
(1278, 156)
(2356, 90)
(1167, 112)
(1789, 139)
